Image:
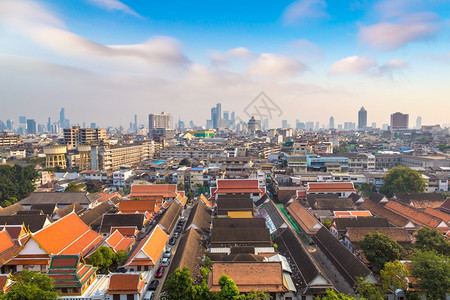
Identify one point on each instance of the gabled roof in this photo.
(400, 235)
(11, 210)
(247, 276)
(330, 187)
(343, 260)
(331, 204)
(225, 237)
(94, 216)
(111, 197)
(121, 220)
(169, 220)
(31, 222)
(342, 224)
(56, 198)
(68, 209)
(225, 204)
(149, 249)
(68, 271)
(380, 211)
(238, 223)
(206, 201)
(200, 217)
(162, 190)
(118, 242)
(189, 254)
(237, 186)
(137, 206)
(47, 208)
(6, 242)
(418, 217)
(272, 215)
(445, 207)
(355, 197)
(303, 218)
(407, 198)
(68, 235)
(125, 284)
(181, 200)
(15, 231)
(437, 213)
(377, 198)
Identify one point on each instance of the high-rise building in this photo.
(374, 125)
(284, 124)
(31, 126)
(399, 121)
(63, 122)
(49, 125)
(78, 136)
(135, 128)
(9, 124)
(253, 125)
(331, 125)
(233, 117)
(93, 125)
(159, 121)
(419, 122)
(226, 115)
(362, 119)
(22, 127)
(216, 117)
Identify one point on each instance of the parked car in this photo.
(172, 241)
(176, 235)
(165, 261)
(159, 272)
(153, 285)
(179, 229)
(183, 219)
(149, 295)
(168, 253)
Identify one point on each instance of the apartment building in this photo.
(78, 136)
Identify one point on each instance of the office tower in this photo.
(22, 127)
(253, 125)
(31, 126)
(219, 110)
(159, 121)
(233, 117)
(63, 122)
(226, 115)
(374, 125)
(2, 126)
(399, 121)
(284, 124)
(93, 125)
(191, 124)
(362, 119)
(135, 123)
(9, 124)
(419, 122)
(266, 124)
(317, 126)
(41, 129)
(331, 125)
(49, 125)
(309, 126)
(340, 127)
(214, 117)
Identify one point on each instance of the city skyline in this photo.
(104, 61)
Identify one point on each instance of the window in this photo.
(130, 297)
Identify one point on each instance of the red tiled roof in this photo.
(105, 196)
(416, 216)
(380, 211)
(163, 190)
(238, 186)
(307, 221)
(437, 213)
(330, 187)
(126, 230)
(140, 206)
(124, 284)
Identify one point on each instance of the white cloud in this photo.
(275, 65)
(304, 9)
(352, 65)
(114, 5)
(224, 58)
(305, 50)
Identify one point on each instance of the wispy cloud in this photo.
(224, 58)
(357, 65)
(304, 9)
(114, 5)
(275, 65)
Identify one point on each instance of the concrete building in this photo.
(8, 140)
(362, 119)
(55, 156)
(399, 121)
(75, 136)
(112, 158)
(253, 125)
(159, 121)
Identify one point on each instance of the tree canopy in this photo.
(31, 285)
(332, 295)
(368, 290)
(179, 285)
(431, 239)
(380, 248)
(432, 270)
(402, 179)
(393, 276)
(16, 183)
(73, 187)
(105, 257)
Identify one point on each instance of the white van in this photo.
(149, 295)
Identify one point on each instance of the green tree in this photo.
(103, 258)
(179, 285)
(16, 183)
(332, 295)
(367, 189)
(393, 276)
(432, 270)
(255, 295)
(120, 257)
(31, 285)
(93, 186)
(368, 290)
(181, 186)
(185, 162)
(201, 292)
(431, 239)
(379, 249)
(72, 187)
(228, 289)
(402, 179)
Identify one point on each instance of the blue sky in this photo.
(314, 58)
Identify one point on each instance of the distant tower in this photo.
(49, 125)
(284, 124)
(331, 122)
(419, 122)
(362, 119)
(135, 124)
(399, 121)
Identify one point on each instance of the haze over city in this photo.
(106, 60)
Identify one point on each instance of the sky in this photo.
(106, 60)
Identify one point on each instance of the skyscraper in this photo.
(362, 119)
(49, 125)
(284, 124)
(331, 125)
(31, 126)
(419, 122)
(135, 128)
(399, 121)
(159, 124)
(62, 118)
(9, 124)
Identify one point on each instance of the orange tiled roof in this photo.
(5, 241)
(152, 246)
(352, 214)
(118, 242)
(416, 216)
(126, 230)
(307, 221)
(181, 200)
(437, 213)
(331, 187)
(133, 206)
(124, 284)
(163, 190)
(380, 211)
(105, 196)
(238, 186)
(206, 201)
(68, 235)
(247, 276)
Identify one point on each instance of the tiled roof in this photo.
(105, 196)
(121, 220)
(437, 213)
(353, 214)
(330, 187)
(68, 235)
(152, 246)
(118, 242)
(225, 237)
(380, 211)
(70, 271)
(238, 186)
(400, 235)
(140, 206)
(238, 223)
(200, 217)
(376, 197)
(414, 215)
(169, 220)
(181, 200)
(47, 208)
(343, 224)
(303, 218)
(407, 198)
(69, 208)
(31, 222)
(5, 241)
(247, 276)
(163, 190)
(56, 198)
(206, 201)
(11, 210)
(124, 284)
(94, 216)
(125, 230)
(445, 207)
